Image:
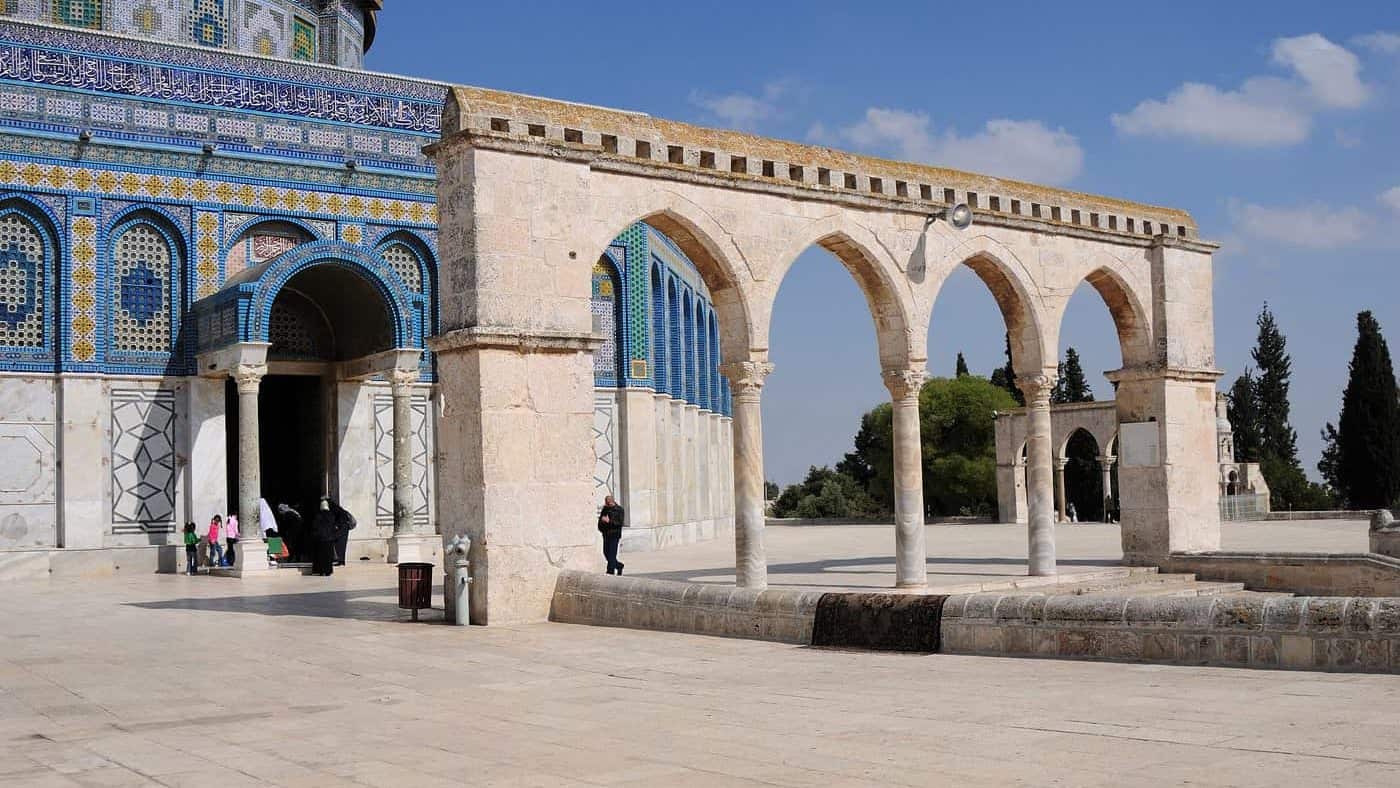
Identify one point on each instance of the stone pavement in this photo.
(300, 681)
(862, 556)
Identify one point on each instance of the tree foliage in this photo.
(1278, 443)
(825, 493)
(962, 366)
(1005, 377)
(1365, 445)
(1070, 385)
(1243, 412)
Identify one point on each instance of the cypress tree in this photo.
(1005, 377)
(962, 366)
(1243, 412)
(1368, 431)
(1071, 385)
(1278, 441)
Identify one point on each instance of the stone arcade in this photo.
(530, 190)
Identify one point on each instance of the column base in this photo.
(252, 563)
(415, 548)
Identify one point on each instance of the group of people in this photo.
(287, 536)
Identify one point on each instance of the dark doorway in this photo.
(291, 445)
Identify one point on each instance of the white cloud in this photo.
(1391, 199)
(1263, 111)
(1331, 73)
(1380, 41)
(1024, 149)
(746, 111)
(1314, 226)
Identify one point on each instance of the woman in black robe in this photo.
(323, 533)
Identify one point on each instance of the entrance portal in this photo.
(291, 440)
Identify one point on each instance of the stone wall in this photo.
(1310, 633)
(1319, 574)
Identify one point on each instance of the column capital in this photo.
(1036, 388)
(402, 380)
(904, 382)
(248, 376)
(1106, 460)
(1060, 463)
(746, 377)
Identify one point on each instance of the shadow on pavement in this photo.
(364, 604)
(777, 572)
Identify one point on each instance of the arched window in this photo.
(607, 370)
(676, 381)
(25, 254)
(143, 259)
(658, 330)
(689, 322)
(702, 353)
(407, 264)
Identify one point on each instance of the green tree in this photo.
(1070, 385)
(1005, 377)
(770, 491)
(962, 366)
(1278, 443)
(1243, 413)
(825, 493)
(959, 452)
(1277, 438)
(1330, 463)
(1367, 440)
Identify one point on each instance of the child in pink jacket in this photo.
(216, 547)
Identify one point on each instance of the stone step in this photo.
(1195, 588)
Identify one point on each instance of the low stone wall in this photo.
(1310, 633)
(694, 608)
(1309, 574)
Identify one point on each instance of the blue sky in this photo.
(1275, 124)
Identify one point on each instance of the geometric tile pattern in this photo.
(83, 301)
(78, 13)
(405, 262)
(206, 253)
(23, 282)
(604, 306)
(141, 266)
(384, 458)
(143, 461)
(207, 24)
(303, 39)
(604, 446)
(23, 175)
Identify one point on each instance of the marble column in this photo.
(746, 383)
(1060, 514)
(1040, 495)
(1106, 466)
(251, 558)
(910, 551)
(410, 543)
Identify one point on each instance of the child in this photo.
(191, 550)
(231, 536)
(215, 548)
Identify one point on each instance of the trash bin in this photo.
(415, 587)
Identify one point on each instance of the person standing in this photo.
(231, 537)
(216, 549)
(191, 550)
(344, 524)
(293, 535)
(323, 540)
(611, 520)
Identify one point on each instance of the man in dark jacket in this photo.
(611, 521)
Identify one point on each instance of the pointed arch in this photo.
(875, 272)
(29, 255)
(1007, 278)
(1109, 278)
(709, 246)
(144, 262)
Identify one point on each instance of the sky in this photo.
(1277, 125)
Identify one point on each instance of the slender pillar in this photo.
(410, 542)
(910, 550)
(251, 557)
(1040, 495)
(1060, 506)
(1106, 466)
(746, 382)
